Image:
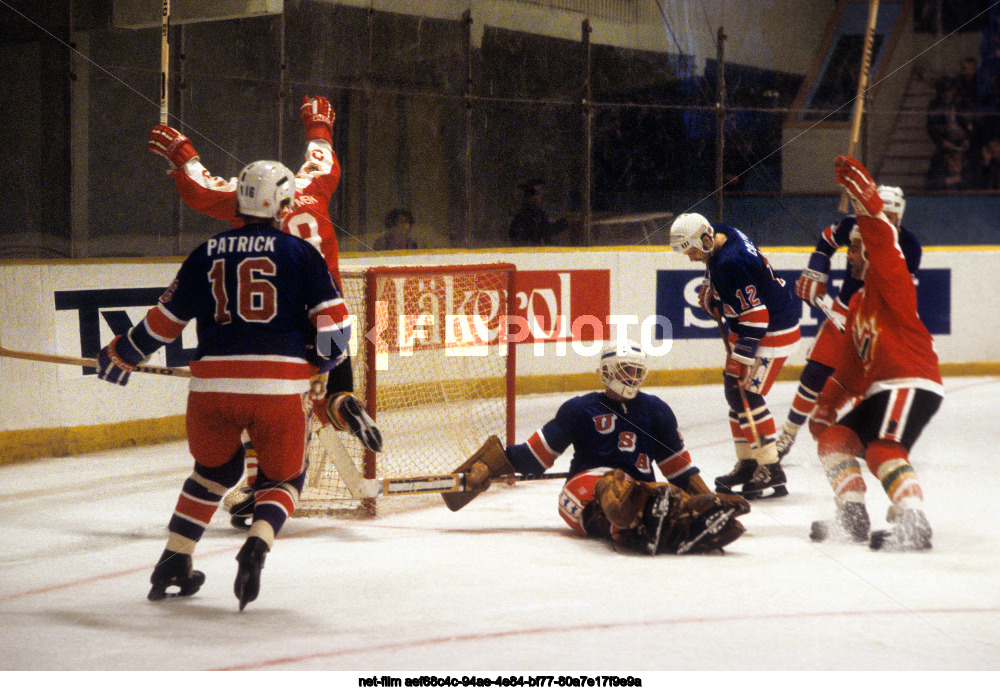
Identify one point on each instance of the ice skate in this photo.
(784, 443)
(768, 482)
(911, 532)
(251, 561)
(851, 522)
(740, 474)
(174, 570)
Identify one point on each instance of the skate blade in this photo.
(769, 493)
(821, 531)
(159, 592)
(888, 541)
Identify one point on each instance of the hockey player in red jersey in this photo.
(308, 218)
(269, 317)
(888, 374)
(812, 287)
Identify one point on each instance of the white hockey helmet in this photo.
(687, 231)
(263, 188)
(623, 368)
(892, 200)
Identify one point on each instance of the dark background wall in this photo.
(79, 97)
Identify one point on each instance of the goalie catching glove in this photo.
(488, 462)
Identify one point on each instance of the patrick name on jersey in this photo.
(242, 244)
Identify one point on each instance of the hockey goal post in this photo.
(433, 367)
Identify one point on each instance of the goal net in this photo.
(432, 366)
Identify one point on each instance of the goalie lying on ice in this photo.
(619, 437)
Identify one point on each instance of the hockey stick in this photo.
(88, 362)
(825, 303)
(859, 98)
(755, 444)
(739, 383)
(164, 61)
(361, 487)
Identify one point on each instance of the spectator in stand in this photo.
(955, 173)
(531, 225)
(988, 173)
(948, 123)
(398, 224)
(968, 82)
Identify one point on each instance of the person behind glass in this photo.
(398, 224)
(948, 123)
(531, 225)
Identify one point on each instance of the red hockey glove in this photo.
(739, 369)
(317, 117)
(171, 144)
(811, 284)
(853, 177)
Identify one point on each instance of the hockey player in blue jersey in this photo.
(619, 436)
(760, 317)
(269, 317)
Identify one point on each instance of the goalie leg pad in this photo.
(491, 453)
(692, 525)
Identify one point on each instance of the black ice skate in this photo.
(851, 522)
(174, 570)
(740, 474)
(912, 532)
(251, 561)
(768, 482)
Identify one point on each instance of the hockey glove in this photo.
(854, 178)
(812, 282)
(117, 360)
(344, 412)
(743, 359)
(707, 300)
(317, 117)
(477, 478)
(171, 144)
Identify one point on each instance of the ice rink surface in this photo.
(503, 585)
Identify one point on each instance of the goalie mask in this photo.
(623, 369)
(687, 232)
(264, 189)
(893, 201)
